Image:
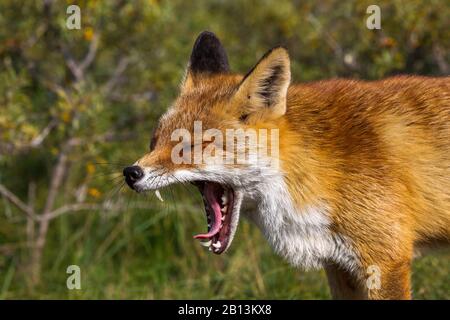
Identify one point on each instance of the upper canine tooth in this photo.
(206, 243)
(158, 195)
(224, 199)
(217, 245)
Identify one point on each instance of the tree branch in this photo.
(92, 52)
(11, 197)
(37, 141)
(11, 148)
(78, 68)
(57, 177)
(120, 69)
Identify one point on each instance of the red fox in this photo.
(363, 175)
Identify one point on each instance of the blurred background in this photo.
(76, 106)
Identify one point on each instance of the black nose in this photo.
(132, 174)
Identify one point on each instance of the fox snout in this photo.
(132, 174)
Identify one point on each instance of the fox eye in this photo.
(153, 140)
(152, 143)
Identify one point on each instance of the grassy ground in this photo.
(151, 255)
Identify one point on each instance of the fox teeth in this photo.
(158, 195)
(223, 218)
(206, 243)
(217, 245)
(224, 209)
(224, 199)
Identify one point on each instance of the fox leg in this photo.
(388, 281)
(395, 281)
(344, 285)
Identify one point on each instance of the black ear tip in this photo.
(208, 54)
(207, 34)
(207, 39)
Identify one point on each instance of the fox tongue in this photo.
(214, 204)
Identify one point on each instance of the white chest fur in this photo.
(303, 237)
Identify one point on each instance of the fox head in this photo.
(219, 117)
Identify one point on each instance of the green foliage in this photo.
(105, 115)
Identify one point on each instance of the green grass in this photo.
(151, 255)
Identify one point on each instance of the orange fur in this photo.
(377, 152)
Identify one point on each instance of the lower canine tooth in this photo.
(206, 243)
(158, 195)
(217, 245)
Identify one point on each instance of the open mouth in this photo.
(221, 220)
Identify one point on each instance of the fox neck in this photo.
(295, 221)
(300, 235)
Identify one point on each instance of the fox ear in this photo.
(208, 57)
(263, 90)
